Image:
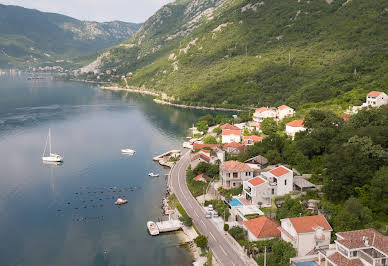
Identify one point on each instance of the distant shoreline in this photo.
(158, 101)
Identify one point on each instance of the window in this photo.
(273, 191)
(354, 253)
(234, 184)
(285, 182)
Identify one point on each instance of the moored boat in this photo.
(121, 201)
(52, 157)
(128, 151)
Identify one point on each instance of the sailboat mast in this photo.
(50, 140)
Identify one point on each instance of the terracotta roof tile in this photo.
(231, 132)
(253, 137)
(206, 151)
(354, 239)
(235, 166)
(374, 93)
(340, 260)
(282, 107)
(228, 126)
(307, 224)
(261, 109)
(200, 156)
(256, 181)
(296, 123)
(200, 146)
(234, 145)
(200, 176)
(263, 227)
(345, 117)
(278, 172)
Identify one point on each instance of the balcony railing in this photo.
(366, 257)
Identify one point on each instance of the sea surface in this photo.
(64, 214)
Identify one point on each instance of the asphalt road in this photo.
(222, 249)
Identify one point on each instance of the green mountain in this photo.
(247, 52)
(36, 37)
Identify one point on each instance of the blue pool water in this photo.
(235, 202)
(307, 263)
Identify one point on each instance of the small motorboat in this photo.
(121, 201)
(152, 228)
(153, 174)
(128, 151)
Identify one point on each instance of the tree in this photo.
(208, 119)
(269, 126)
(201, 241)
(209, 140)
(202, 126)
(238, 233)
(186, 220)
(379, 190)
(290, 208)
(319, 118)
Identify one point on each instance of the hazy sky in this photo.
(96, 10)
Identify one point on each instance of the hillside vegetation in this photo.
(31, 36)
(244, 52)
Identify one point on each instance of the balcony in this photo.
(248, 191)
(372, 256)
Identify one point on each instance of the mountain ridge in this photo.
(35, 36)
(242, 52)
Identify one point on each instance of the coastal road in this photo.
(221, 247)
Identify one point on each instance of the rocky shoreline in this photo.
(197, 107)
(113, 88)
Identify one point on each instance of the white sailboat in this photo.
(128, 151)
(52, 157)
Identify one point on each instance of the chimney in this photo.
(366, 241)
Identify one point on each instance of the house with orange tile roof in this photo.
(293, 127)
(262, 228)
(228, 126)
(257, 190)
(198, 158)
(284, 111)
(201, 177)
(235, 148)
(376, 98)
(365, 247)
(233, 173)
(231, 135)
(264, 112)
(250, 140)
(280, 180)
(307, 234)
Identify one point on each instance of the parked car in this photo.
(215, 214)
(208, 215)
(210, 207)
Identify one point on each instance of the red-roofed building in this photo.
(306, 233)
(293, 127)
(234, 148)
(228, 126)
(264, 112)
(200, 146)
(345, 117)
(199, 157)
(201, 177)
(229, 135)
(284, 111)
(262, 228)
(376, 98)
(250, 140)
(359, 248)
(257, 190)
(233, 173)
(280, 179)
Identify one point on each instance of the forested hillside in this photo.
(244, 52)
(36, 37)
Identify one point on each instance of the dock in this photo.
(164, 226)
(164, 159)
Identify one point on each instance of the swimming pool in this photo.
(235, 202)
(307, 263)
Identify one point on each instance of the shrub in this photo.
(226, 227)
(238, 233)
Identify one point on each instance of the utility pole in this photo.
(265, 255)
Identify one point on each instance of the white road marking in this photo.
(223, 250)
(212, 235)
(203, 223)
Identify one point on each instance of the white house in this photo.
(284, 111)
(264, 112)
(257, 190)
(293, 127)
(229, 136)
(280, 180)
(376, 98)
(261, 228)
(306, 234)
(233, 173)
(358, 248)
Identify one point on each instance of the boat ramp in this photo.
(164, 159)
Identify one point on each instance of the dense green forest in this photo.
(253, 53)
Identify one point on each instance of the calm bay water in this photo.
(43, 207)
